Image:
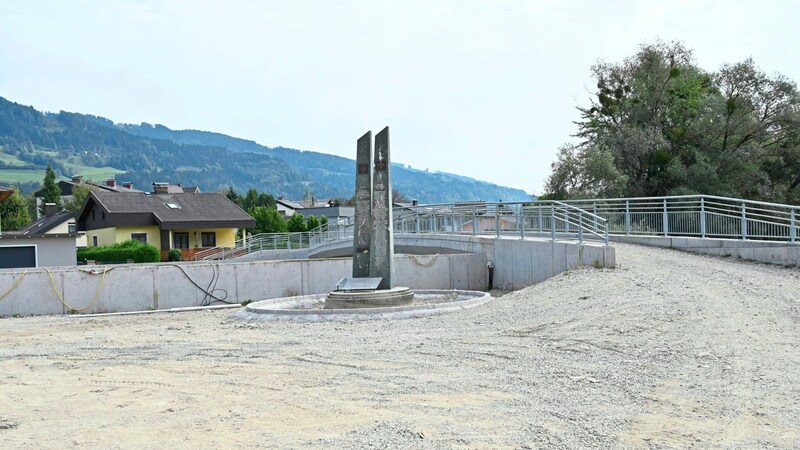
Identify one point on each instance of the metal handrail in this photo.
(696, 216)
(331, 231)
(534, 218)
(704, 216)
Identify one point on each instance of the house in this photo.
(35, 249)
(287, 208)
(66, 187)
(53, 222)
(185, 221)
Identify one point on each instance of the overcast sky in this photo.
(486, 89)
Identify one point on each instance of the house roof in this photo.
(5, 193)
(47, 223)
(66, 187)
(302, 204)
(174, 210)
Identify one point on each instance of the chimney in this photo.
(127, 185)
(414, 202)
(77, 179)
(49, 209)
(111, 182)
(161, 188)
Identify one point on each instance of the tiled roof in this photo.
(45, 223)
(177, 208)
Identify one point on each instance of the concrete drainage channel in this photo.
(310, 308)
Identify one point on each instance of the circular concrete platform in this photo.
(379, 298)
(310, 308)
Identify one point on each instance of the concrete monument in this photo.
(362, 228)
(381, 246)
(373, 283)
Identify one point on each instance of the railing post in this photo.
(497, 221)
(521, 223)
(627, 217)
(474, 221)
(417, 223)
(594, 219)
(541, 224)
(666, 219)
(792, 230)
(553, 222)
(580, 227)
(702, 218)
(606, 233)
(744, 221)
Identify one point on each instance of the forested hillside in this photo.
(96, 148)
(660, 125)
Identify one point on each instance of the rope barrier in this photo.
(14, 286)
(94, 300)
(426, 264)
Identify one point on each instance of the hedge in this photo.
(121, 252)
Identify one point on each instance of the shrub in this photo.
(174, 255)
(123, 251)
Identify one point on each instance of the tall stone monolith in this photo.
(362, 229)
(381, 248)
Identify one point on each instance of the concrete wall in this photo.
(517, 262)
(784, 253)
(139, 287)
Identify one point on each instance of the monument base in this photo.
(399, 296)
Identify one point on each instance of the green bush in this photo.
(174, 255)
(121, 252)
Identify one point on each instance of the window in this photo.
(94, 241)
(209, 239)
(180, 240)
(173, 205)
(71, 228)
(141, 237)
(93, 217)
(104, 215)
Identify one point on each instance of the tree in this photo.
(296, 223)
(323, 220)
(79, 194)
(268, 220)
(232, 195)
(14, 212)
(660, 125)
(311, 223)
(51, 193)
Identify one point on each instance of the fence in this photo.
(696, 215)
(547, 218)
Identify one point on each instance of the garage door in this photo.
(17, 256)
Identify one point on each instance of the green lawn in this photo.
(11, 176)
(90, 173)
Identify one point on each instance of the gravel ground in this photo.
(669, 350)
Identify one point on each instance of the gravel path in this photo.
(669, 350)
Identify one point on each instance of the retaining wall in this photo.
(784, 253)
(138, 287)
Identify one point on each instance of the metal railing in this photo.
(548, 218)
(702, 216)
(331, 231)
(696, 216)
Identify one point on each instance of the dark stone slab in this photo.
(381, 249)
(362, 228)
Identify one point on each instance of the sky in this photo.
(486, 89)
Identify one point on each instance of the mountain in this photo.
(96, 147)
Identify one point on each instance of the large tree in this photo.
(51, 193)
(660, 125)
(14, 212)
